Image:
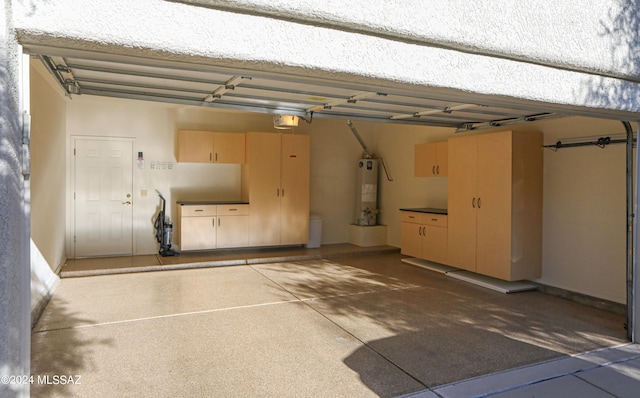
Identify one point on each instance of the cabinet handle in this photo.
(473, 203)
(478, 203)
(218, 221)
(283, 192)
(213, 222)
(433, 169)
(438, 169)
(216, 156)
(198, 210)
(233, 209)
(210, 156)
(277, 191)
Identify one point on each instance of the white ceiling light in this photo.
(285, 121)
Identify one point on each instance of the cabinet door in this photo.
(294, 193)
(462, 203)
(442, 156)
(434, 247)
(228, 147)
(425, 160)
(411, 238)
(195, 146)
(197, 233)
(494, 167)
(263, 158)
(233, 231)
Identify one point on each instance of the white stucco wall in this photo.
(14, 215)
(599, 37)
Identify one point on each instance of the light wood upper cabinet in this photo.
(229, 147)
(495, 204)
(278, 184)
(194, 146)
(210, 147)
(431, 159)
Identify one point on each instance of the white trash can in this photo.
(315, 231)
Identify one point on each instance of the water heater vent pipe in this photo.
(366, 154)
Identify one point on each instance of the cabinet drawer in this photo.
(437, 220)
(198, 211)
(233, 210)
(412, 217)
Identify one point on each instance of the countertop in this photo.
(426, 210)
(211, 202)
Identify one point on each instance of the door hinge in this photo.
(74, 151)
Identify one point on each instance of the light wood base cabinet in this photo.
(495, 204)
(206, 227)
(197, 227)
(424, 235)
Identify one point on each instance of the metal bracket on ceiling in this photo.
(349, 100)
(471, 126)
(446, 109)
(62, 73)
(227, 86)
(600, 142)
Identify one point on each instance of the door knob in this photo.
(128, 203)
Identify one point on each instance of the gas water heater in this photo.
(367, 192)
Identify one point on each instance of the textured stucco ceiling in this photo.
(530, 66)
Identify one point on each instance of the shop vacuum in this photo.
(164, 229)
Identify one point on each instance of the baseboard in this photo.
(602, 304)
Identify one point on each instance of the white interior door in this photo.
(103, 202)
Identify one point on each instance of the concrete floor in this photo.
(356, 326)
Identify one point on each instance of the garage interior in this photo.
(562, 327)
(79, 92)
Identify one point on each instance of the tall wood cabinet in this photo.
(278, 188)
(210, 147)
(495, 204)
